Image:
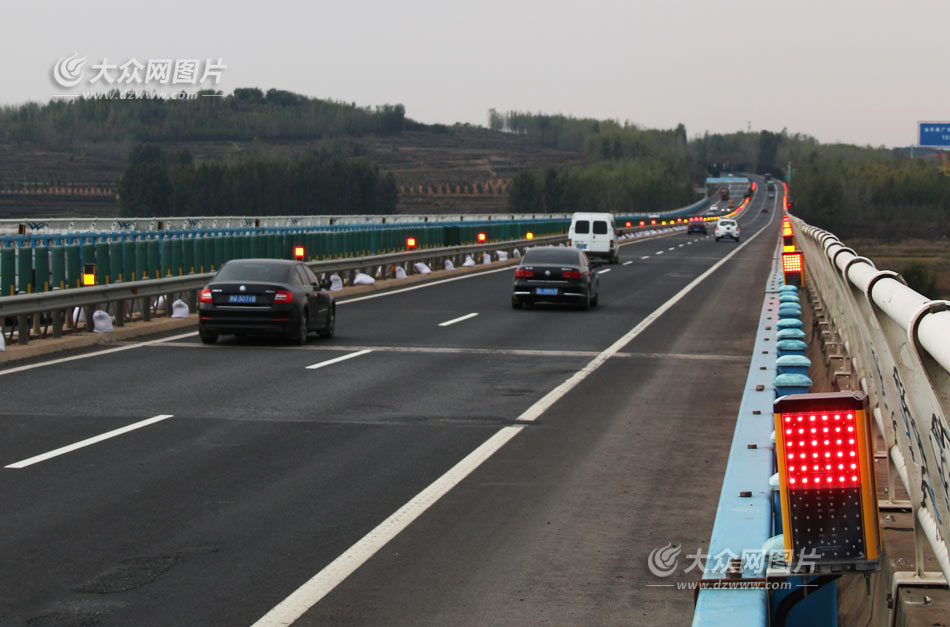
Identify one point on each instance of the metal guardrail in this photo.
(47, 226)
(899, 341)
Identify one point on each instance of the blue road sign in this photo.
(933, 134)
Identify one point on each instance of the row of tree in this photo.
(638, 185)
(890, 199)
(849, 190)
(246, 114)
(160, 184)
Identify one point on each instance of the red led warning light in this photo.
(786, 229)
(629, 224)
(643, 223)
(410, 242)
(482, 238)
(792, 262)
(827, 486)
(298, 253)
(652, 222)
(821, 450)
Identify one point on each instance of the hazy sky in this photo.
(840, 70)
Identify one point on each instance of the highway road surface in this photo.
(444, 459)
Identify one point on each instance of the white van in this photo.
(594, 233)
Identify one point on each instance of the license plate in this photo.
(242, 298)
(546, 291)
(582, 247)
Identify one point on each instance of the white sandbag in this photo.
(401, 272)
(468, 261)
(363, 279)
(3, 343)
(502, 255)
(336, 283)
(79, 315)
(422, 268)
(158, 303)
(516, 253)
(180, 309)
(101, 322)
(486, 257)
(449, 265)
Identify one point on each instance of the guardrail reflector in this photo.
(88, 274)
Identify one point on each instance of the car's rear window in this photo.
(582, 226)
(254, 271)
(727, 222)
(600, 227)
(551, 255)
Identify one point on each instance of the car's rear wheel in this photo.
(328, 330)
(587, 302)
(299, 335)
(207, 337)
(596, 300)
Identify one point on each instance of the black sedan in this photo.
(696, 225)
(265, 297)
(556, 275)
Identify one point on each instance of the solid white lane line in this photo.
(604, 271)
(627, 263)
(94, 440)
(459, 319)
(311, 592)
(336, 360)
(104, 352)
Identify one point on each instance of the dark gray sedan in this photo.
(555, 275)
(265, 297)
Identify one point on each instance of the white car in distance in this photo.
(727, 229)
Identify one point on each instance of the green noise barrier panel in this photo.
(25, 270)
(57, 258)
(41, 273)
(73, 266)
(7, 271)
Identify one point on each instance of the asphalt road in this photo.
(258, 472)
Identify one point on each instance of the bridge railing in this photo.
(899, 342)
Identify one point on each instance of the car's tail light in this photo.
(571, 274)
(521, 273)
(205, 296)
(611, 243)
(283, 296)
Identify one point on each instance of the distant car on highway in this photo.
(555, 274)
(727, 229)
(697, 225)
(265, 297)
